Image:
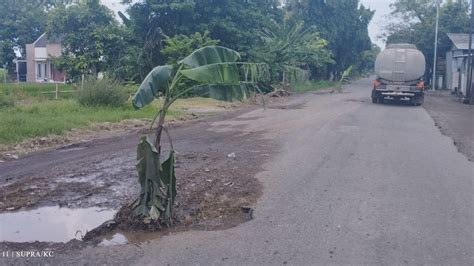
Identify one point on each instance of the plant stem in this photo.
(159, 129)
(166, 104)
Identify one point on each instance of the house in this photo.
(457, 63)
(39, 57)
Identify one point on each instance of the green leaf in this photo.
(157, 181)
(147, 157)
(210, 55)
(168, 176)
(155, 82)
(140, 210)
(222, 92)
(219, 73)
(157, 202)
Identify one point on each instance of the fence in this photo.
(56, 92)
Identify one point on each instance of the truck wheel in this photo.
(381, 100)
(374, 100)
(417, 101)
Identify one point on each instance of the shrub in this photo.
(3, 72)
(102, 92)
(6, 101)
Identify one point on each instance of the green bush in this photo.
(102, 92)
(2, 73)
(6, 101)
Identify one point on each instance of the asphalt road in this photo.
(353, 183)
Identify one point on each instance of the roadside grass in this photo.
(313, 85)
(25, 91)
(42, 118)
(22, 90)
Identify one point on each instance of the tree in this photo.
(22, 22)
(235, 23)
(417, 25)
(91, 38)
(366, 63)
(344, 24)
(291, 49)
(180, 45)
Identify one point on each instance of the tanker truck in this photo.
(400, 69)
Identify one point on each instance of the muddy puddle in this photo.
(121, 237)
(51, 224)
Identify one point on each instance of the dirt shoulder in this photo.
(455, 120)
(185, 110)
(215, 170)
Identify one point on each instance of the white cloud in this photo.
(114, 5)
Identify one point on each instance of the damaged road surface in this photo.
(344, 181)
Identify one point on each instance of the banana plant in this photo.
(210, 65)
(290, 47)
(344, 78)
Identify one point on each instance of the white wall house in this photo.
(39, 60)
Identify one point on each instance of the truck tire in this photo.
(418, 100)
(374, 100)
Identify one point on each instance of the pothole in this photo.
(119, 237)
(115, 240)
(51, 224)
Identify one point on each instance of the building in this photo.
(457, 63)
(39, 56)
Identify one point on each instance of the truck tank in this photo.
(400, 64)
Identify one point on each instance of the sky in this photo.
(382, 9)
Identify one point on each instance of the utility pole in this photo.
(17, 71)
(5, 73)
(433, 82)
(469, 87)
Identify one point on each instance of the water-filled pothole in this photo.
(51, 224)
(114, 240)
(120, 237)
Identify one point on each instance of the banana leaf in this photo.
(157, 181)
(148, 161)
(210, 55)
(155, 82)
(219, 73)
(227, 93)
(168, 176)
